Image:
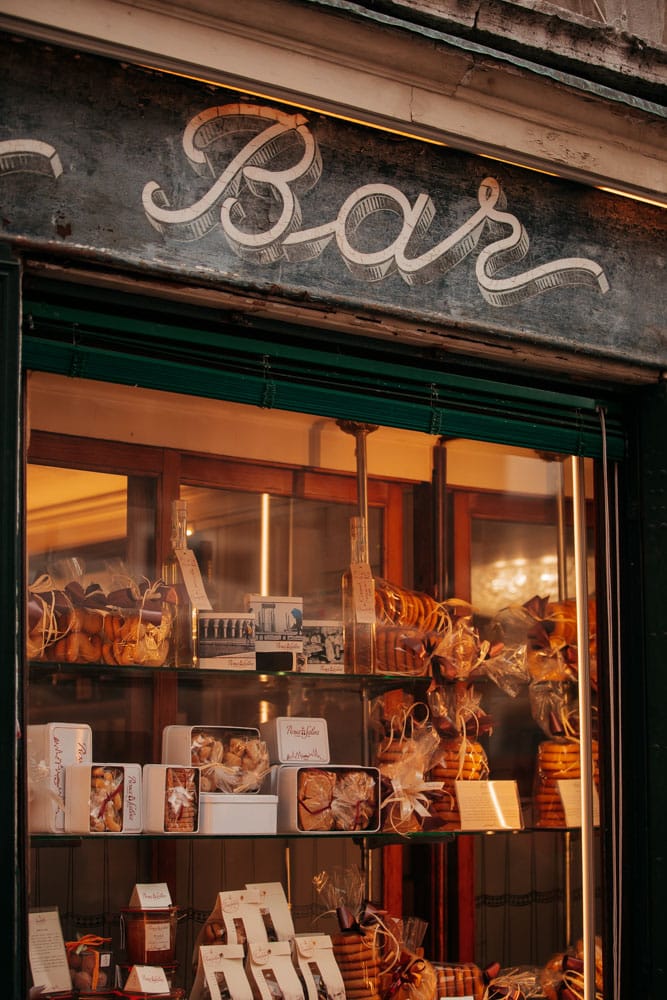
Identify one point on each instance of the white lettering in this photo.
(254, 200)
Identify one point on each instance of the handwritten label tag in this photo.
(569, 790)
(489, 805)
(151, 896)
(363, 590)
(48, 959)
(147, 979)
(192, 579)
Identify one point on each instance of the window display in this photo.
(383, 711)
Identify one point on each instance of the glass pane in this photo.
(488, 673)
(304, 544)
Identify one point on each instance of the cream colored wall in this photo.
(148, 417)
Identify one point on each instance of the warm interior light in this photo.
(264, 545)
(633, 197)
(397, 131)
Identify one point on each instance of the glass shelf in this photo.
(372, 684)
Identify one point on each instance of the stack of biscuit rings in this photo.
(359, 960)
(404, 619)
(463, 980)
(557, 760)
(456, 762)
(386, 759)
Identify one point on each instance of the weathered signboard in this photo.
(156, 172)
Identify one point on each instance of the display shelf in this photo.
(371, 840)
(376, 683)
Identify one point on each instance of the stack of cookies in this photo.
(557, 761)
(389, 759)
(359, 960)
(461, 980)
(458, 760)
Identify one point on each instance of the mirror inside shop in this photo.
(307, 707)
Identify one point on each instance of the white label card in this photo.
(48, 958)
(570, 795)
(192, 579)
(151, 896)
(489, 805)
(363, 589)
(147, 979)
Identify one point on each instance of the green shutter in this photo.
(83, 332)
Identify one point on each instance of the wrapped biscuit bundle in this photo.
(548, 631)
(557, 760)
(459, 721)
(44, 624)
(409, 976)
(365, 945)
(459, 979)
(462, 653)
(456, 711)
(555, 708)
(138, 626)
(407, 626)
(242, 767)
(65, 622)
(519, 983)
(562, 978)
(404, 757)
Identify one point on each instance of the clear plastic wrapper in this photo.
(335, 799)
(554, 706)
(456, 760)
(242, 765)
(557, 760)
(517, 983)
(139, 624)
(459, 979)
(548, 632)
(367, 944)
(456, 711)
(404, 758)
(65, 622)
(408, 627)
(562, 978)
(75, 622)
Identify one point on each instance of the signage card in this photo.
(48, 958)
(151, 896)
(569, 790)
(489, 805)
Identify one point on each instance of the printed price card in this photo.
(48, 958)
(489, 805)
(192, 579)
(569, 790)
(363, 589)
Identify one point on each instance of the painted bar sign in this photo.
(170, 175)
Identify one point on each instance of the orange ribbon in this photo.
(92, 942)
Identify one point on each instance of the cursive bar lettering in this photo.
(254, 199)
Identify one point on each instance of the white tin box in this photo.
(238, 814)
(103, 798)
(287, 782)
(52, 747)
(170, 798)
(296, 740)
